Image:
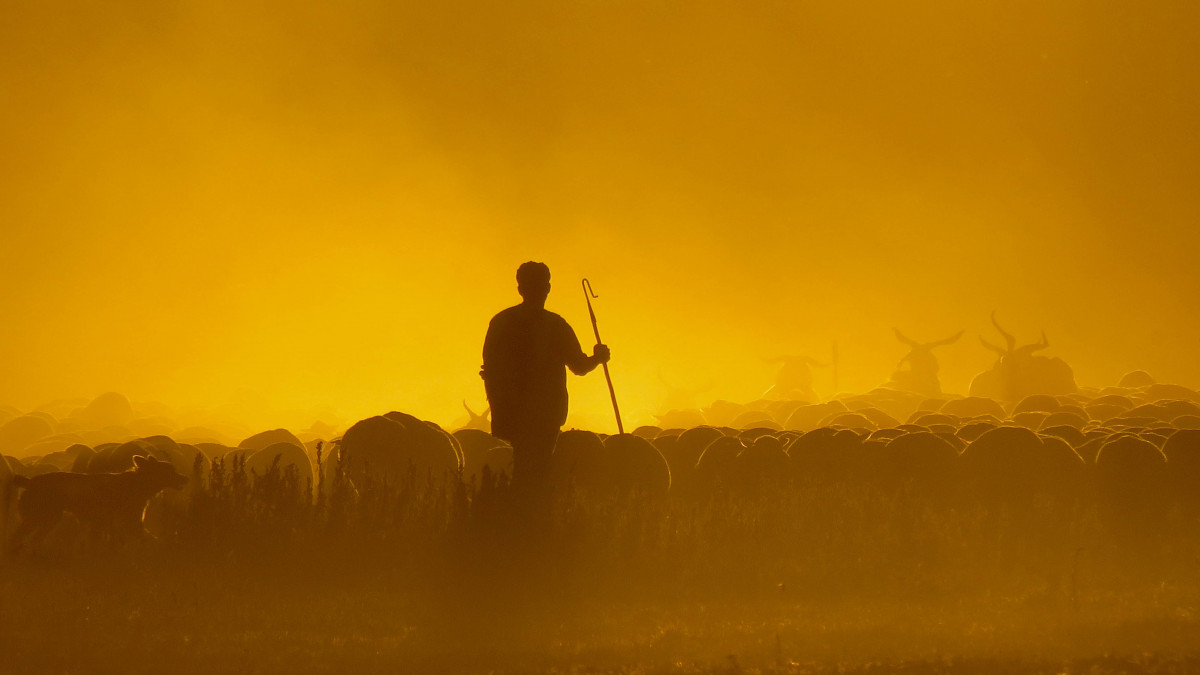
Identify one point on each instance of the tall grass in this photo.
(260, 572)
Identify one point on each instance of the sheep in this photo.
(808, 417)
(1066, 416)
(1136, 380)
(924, 419)
(389, 446)
(634, 464)
(683, 454)
(1067, 432)
(972, 407)
(849, 420)
(1043, 403)
(761, 463)
(1182, 451)
(266, 439)
(827, 455)
(973, 430)
(1009, 466)
(716, 467)
(437, 440)
(499, 462)
(647, 431)
(283, 455)
(723, 413)
(1159, 392)
(920, 463)
(106, 410)
(475, 445)
(752, 419)
(8, 496)
(578, 462)
(1131, 482)
(20, 432)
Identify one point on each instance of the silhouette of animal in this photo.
(281, 456)
(1136, 380)
(716, 468)
(22, 431)
(1018, 373)
(683, 451)
(923, 462)
(578, 462)
(106, 410)
(266, 439)
(1132, 484)
(1182, 451)
(762, 463)
(974, 406)
(1010, 465)
(481, 421)
(794, 380)
(391, 445)
(918, 370)
(7, 496)
(112, 505)
(827, 455)
(475, 445)
(809, 417)
(634, 464)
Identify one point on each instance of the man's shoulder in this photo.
(506, 315)
(523, 313)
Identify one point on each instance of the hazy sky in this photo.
(283, 206)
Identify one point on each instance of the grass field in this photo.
(250, 579)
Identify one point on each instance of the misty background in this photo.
(293, 211)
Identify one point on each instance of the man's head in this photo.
(533, 281)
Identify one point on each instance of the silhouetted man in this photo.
(525, 357)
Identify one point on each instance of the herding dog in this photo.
(111, 504)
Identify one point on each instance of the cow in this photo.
(1018, 372)
(918, 370)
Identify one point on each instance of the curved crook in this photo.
(587, 289)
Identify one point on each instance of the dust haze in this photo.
(295, 211)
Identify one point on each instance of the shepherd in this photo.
(525, 356)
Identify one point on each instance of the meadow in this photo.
(254, 573)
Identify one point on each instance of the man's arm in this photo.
(582, 364)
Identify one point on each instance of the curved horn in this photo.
(901, 337)
(1035, 347)
(948, 341)
(992, 347)
(1012, 341)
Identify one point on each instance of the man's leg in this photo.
(532, 457)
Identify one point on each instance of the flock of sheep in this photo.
(1135, 448)
(1025, 434)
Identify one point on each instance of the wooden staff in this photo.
(588, 294)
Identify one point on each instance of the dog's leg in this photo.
(32, 530)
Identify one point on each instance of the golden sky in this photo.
(306, 208)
